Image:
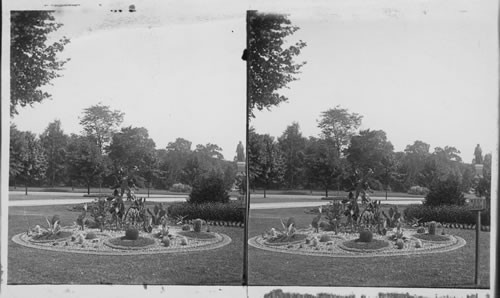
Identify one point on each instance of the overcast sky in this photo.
(420, 71)
(175, 70)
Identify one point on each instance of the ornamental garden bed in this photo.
(113, 242)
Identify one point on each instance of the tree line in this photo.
(342, 157)
(103, 149)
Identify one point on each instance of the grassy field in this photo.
(221, 266)
(332, 193)
(451, 269)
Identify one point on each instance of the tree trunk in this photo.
(72, 186)
(264, 192)
(15, 183)
(88, 188)
(326, 191)
(25, 188)
(149, 185)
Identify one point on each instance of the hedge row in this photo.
(232, 211)
(446, 214)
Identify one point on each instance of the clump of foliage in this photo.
(165, 241)
(365, 236)
(184, 241)
(197, 225)
(209, 188)
(334, 212)
(158, 213)
(432, 228)
(179, 187)
(99, 212)
(81, 218)
(400, 244)
(418, 190)
(447, 192)
(90, 236)
(231, 211)
(131, 233)
(421, 230)
(393, 218)
(325, 238)
(186, 228)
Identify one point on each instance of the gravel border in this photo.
(335, 251)
(219, 241)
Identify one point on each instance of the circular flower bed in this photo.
(346, 245)
(112, 242)
(297, 238)
(359, 246)
(61, 236)
(122, 243)
(197, 235)
(430, 237)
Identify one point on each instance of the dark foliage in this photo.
(232, 211)
(447, 192)
(207, 189)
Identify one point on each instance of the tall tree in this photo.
(338, 125)
(271, 62)
(323, 166)
(292, 145)
(33, 62)
(416, 157)
(370, 155)
(210, 150)
(133, 148)
(267, 162)
(85, 163)
(54, 142)
(100, 123)
(27, 159)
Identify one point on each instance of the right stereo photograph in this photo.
(371, 139)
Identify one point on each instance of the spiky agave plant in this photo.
(53, 225)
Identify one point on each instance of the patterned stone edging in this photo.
(223, 241)
(458, 243)
(460, 226)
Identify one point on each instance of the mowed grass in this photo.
(221, 266)
(331, 193)
(450, 269)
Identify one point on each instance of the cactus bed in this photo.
(110, 243)
(337, 247)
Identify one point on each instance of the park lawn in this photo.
(331, 193)
(221, 266)
(450, 269)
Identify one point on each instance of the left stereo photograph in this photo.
(127, 146)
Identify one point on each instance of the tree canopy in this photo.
(270, 58)
(33, 62)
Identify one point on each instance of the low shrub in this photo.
(131, 234)
(365, 236)
(186, 228)
(421, 230)
(231, 211)
(165, 241)
(447, 192)
(400, 244)
(197, 225)
(418, 190)
(325, 238)
(179, 187)
(446, 214)
(90, 236)
(432, 228)
(211, 188)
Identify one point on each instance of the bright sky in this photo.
(175, 70)
(419, 70)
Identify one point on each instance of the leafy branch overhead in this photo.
(33, 62)
(271, 60)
